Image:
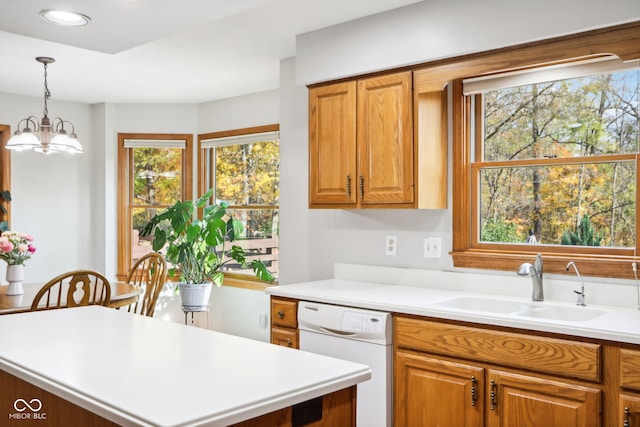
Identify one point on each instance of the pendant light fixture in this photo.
(50, 136)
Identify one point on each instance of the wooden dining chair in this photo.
(150, 273)
(73, 289)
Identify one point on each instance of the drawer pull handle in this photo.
(289, 343)
(281, 314)
(626, 417)
(494, 400)
(474, 397)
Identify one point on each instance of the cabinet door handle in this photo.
(289, 343)
(626, 417)
(281, 314)
(494, 399)
(474, 397)
(361, 186)
(348, 186)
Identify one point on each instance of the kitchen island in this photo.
(115, 368)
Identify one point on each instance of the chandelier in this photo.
(50, 136)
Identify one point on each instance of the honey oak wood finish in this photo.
(73, 289)
(284, 322)
(459, 375)
(125, 189)
(629, 408)
(149, 273)
(5, 169)
(361, 145)
(622, 41)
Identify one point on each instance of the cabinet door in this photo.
(629, 411)
(385, 139)
(332, 144)
(434, 392)
(517, 400)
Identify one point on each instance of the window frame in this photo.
(125, 184)
(622, 41)
(5, 169)
(232, 279)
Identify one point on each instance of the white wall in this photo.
(52, 193)
(69, 203)
(414, 34)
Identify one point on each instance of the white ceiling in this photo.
(155, 51)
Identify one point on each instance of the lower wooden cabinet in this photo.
(433, 392)
(460, 376)
(284, 322)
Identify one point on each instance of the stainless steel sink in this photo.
(490, 305)
(558, 312)
(519, 308)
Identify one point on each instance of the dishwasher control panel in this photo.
(354, 323)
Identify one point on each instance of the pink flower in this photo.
(23, 247)
(32, 249)
(6, 246)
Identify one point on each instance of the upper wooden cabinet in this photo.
(362, 151)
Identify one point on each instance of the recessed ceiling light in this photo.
(62, 17)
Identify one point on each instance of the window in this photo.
(573, 153)
(555, 160)
(243, 168)
(154, 172)
(5, 172)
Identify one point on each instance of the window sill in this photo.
(256, 285)
(613, 266)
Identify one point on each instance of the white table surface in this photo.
(617, 324)
(136, 370)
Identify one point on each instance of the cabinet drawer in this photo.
(284, 312)
(560, 357)
(630, 368)
(285, 337)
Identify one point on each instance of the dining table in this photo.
(122, 295)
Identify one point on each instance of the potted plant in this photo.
(196, 248)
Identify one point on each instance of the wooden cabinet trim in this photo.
(564, 358)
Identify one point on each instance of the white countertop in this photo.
(139, 371)
(616, 324)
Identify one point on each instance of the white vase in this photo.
(195, 297)
(15, 276)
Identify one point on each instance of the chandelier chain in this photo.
(47, 94)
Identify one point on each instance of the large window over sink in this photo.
(555, 155)
(545, 150)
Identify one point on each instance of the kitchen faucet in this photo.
(581, 293)
(535, 271)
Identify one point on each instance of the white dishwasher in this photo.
(357, 335)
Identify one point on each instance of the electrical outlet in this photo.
(391, 245)
(433, 247)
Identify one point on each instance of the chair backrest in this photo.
(150, 273)
(73, 289)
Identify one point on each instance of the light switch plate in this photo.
(433, 247)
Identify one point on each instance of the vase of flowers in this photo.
(15, 249)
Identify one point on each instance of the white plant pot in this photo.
(195, 297)
(15, 276)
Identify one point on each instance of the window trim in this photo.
(5, 168)
(622, 41)
(237, 280)
(124, 184)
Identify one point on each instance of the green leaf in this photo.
(234, 229)
(193, 231)
(261, 271)
(217, 278)
(159, 239)
(204, 199)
